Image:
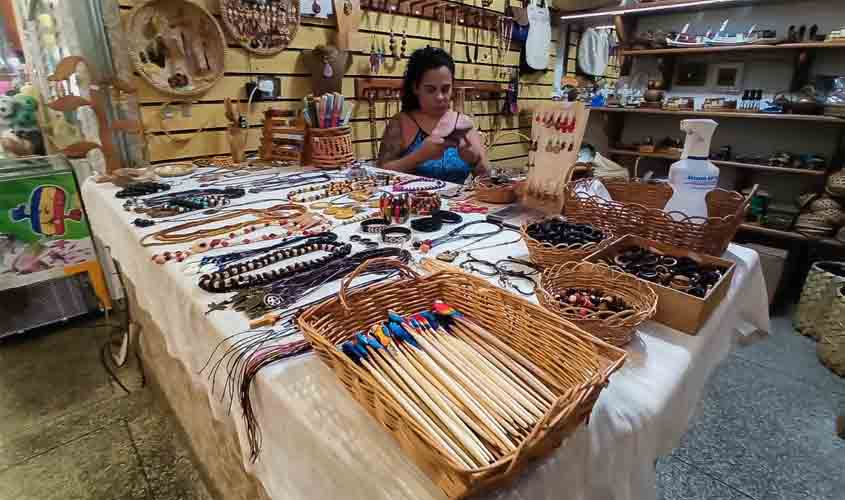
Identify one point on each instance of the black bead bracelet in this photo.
(427, 224)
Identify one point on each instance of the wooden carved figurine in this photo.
(238, 127)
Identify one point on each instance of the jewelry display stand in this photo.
(557, 130)
(348, 15)
(327, 65)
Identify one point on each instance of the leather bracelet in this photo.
(374, 226)
(448, 217)
(427, 224)
(396, 235)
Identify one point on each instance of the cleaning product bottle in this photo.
(694, 175)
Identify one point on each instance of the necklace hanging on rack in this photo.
(403, 45)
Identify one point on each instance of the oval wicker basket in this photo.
(824, 203)
(486, 191)
(814, 225)
(822, 281)
(831, 348)
(331, 148)
(547, 255)
(637, 208)
(616, 328)
(833, 216)
(284, 31)
(577, 364)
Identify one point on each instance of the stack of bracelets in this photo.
(424, 203)
(395, 208)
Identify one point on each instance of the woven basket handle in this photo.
(740, 212)
(380, 264)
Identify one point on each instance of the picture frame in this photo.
(727, 77)
(691, 75)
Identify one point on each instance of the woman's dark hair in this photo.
(422, 60)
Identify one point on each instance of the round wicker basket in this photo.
(616, 328)
(814, 225)
(822, 281)
(836, 184)
(486, 191)
(831, 348)
(824, 203)
(547, 255)
(278, 30)
(833, 216)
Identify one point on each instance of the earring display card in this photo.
(557, 131)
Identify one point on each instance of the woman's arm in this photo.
(390, 154)
(472, 150)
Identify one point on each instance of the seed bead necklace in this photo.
(336, 188)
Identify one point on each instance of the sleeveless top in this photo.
(449, 168)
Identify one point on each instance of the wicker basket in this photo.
(823, 203)
(331, 148)
(840, 236)
(487, 192)
(637, 208)
(578, 362)
(819, 289)
(546, 255)
(836, 184)
(814, 225)
(616, 328)
(831, 348)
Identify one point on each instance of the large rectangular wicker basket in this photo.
(551, 343)
(637, 208)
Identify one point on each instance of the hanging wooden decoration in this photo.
(263, 28)
(176, 46)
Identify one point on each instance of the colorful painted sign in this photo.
(43, 231)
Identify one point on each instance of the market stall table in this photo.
(317, 442)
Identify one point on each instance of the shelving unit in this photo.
(789, 235)
(674, 51)
(731, 164)
(832, 120)
(658, 7)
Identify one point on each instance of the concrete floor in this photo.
(765, 429)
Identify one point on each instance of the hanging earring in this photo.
(404, 43)
(347, 7)
(328, 71)
(373, 57)
(315, 7)
(549, 146)
(391, 43)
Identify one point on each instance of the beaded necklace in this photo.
(170, 204)
(281, 215)
(236, 276)
(338, 188)
(418, 184)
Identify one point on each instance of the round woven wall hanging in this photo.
(176, 46)
(265, 27)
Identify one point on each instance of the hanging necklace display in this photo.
(327, 65)
(315, 7)
(403, 44)
(176, 46)
(264, 28)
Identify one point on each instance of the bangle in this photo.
(448, 217)
(374, 225)
(427, 224)
(395, 234)
(425, 203)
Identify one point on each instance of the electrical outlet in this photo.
(266, 88)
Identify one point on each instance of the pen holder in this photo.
(331, 148)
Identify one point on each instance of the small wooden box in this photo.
(677, 309)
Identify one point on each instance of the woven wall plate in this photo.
(177, 46)
(264, 30)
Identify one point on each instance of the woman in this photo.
(417, 140)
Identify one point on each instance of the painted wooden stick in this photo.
(484, 424)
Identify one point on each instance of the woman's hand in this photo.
(432, 148)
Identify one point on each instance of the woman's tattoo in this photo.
(391, 143)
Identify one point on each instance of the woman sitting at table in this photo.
(426, 138)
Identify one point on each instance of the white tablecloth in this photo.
(318, 443)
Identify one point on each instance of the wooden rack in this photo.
(469, 15)
(281, 141)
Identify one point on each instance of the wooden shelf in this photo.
(787, 235)
(732, 164)
(657, 7)
(736, 48)
(832, 120)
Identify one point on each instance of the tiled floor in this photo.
(765, 430)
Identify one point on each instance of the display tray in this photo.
(679, 310)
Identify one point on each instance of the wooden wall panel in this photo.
(171, 122)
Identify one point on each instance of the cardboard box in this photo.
(676, 309)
